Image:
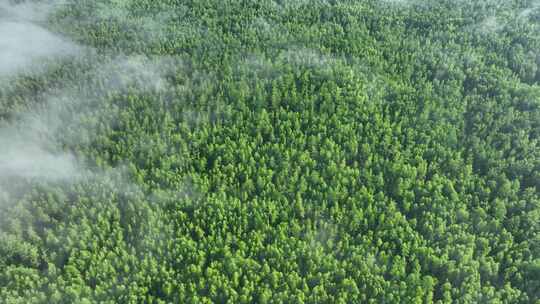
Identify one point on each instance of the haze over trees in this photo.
(314, 151)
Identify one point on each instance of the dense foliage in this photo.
(281, 151)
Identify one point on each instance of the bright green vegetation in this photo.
(292, 152)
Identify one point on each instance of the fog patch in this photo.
(324, 236)
(398, 2)
(27, 149)
(29, 11)
(30, 160)
(490, 25)
(502, 17)
(298, 4)
(527, 12)
(150, 25)
(39, 145)
(307, 57)
(28, 156)
(24, 44)
(142, 73)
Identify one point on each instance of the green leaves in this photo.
(283, 152)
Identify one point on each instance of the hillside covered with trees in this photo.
(279, 151)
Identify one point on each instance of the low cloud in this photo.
(27, 149)
(28, 11)
(26, 159)
(30, 144)
(24, 44)
(41, 144)
(527, 12)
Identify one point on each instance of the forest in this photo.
(269, 151)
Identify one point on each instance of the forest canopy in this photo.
(280, 151)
